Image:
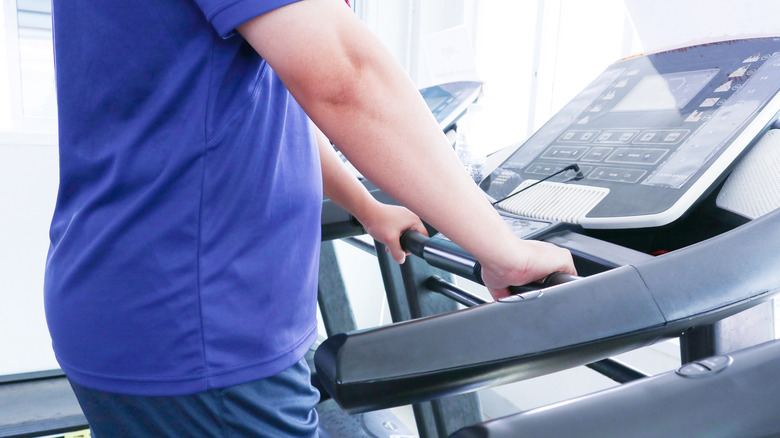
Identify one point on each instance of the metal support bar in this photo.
(438, 418)
(751, 327)
(332, 296)
(360, 244)
(397, 301)
(408, 298)
(616, 370)
(449, 290)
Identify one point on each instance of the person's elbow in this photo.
(338, 84)
(345, 79)
(320, 51)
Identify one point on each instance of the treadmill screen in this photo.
(665, 92)
(651, 135)
(449, 101)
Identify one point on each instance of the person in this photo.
(181, 280)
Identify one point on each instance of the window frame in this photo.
(23, 129)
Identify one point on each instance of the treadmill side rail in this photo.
(563, 326)
(726, 396)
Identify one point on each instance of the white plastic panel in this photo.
(554, 201)
(753, 188)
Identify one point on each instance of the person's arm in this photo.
(355, 91)
(383, 222)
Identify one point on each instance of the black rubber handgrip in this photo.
(443, 254)
(558, 278)
(448, 256)
(550, 280)
(414, 242)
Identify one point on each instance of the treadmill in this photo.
(659, 178)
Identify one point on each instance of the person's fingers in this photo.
(396, 252)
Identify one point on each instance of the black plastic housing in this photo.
(566, 325)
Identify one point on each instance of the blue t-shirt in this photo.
(185, 239)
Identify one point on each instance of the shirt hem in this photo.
(228, 18)
(183, 385)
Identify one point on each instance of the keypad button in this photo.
(568, 153)
(617, 174)
(597, 154)
(646, 156)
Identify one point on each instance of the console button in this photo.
(705, 367)
(693, 370)
(716, 363)
(637, 156)
(578, 136)
(596, 154)
(616, 136)
(543, 168)
(661, 136)
(617, 174)
(569, 153)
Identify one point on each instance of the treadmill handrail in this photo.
(659, 406)
(567, 325)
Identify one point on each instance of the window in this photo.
(27, 91)
(28, 181)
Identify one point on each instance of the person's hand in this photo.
(532, 261)
(385, 223)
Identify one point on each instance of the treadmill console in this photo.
(449, 101)
(652, 135)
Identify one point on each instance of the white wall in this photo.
(664, 24)
(534, 56)
(401, 25)
(28, 185)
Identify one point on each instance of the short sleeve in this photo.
(226, 15)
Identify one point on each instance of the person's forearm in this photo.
(361, 98)
(385, 223)
(338, 182)
(358, 85)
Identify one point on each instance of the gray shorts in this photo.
(277, 406)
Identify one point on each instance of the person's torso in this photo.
(186, 233)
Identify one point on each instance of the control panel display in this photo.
(656, 132)
(665, 92)
(449, 101)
